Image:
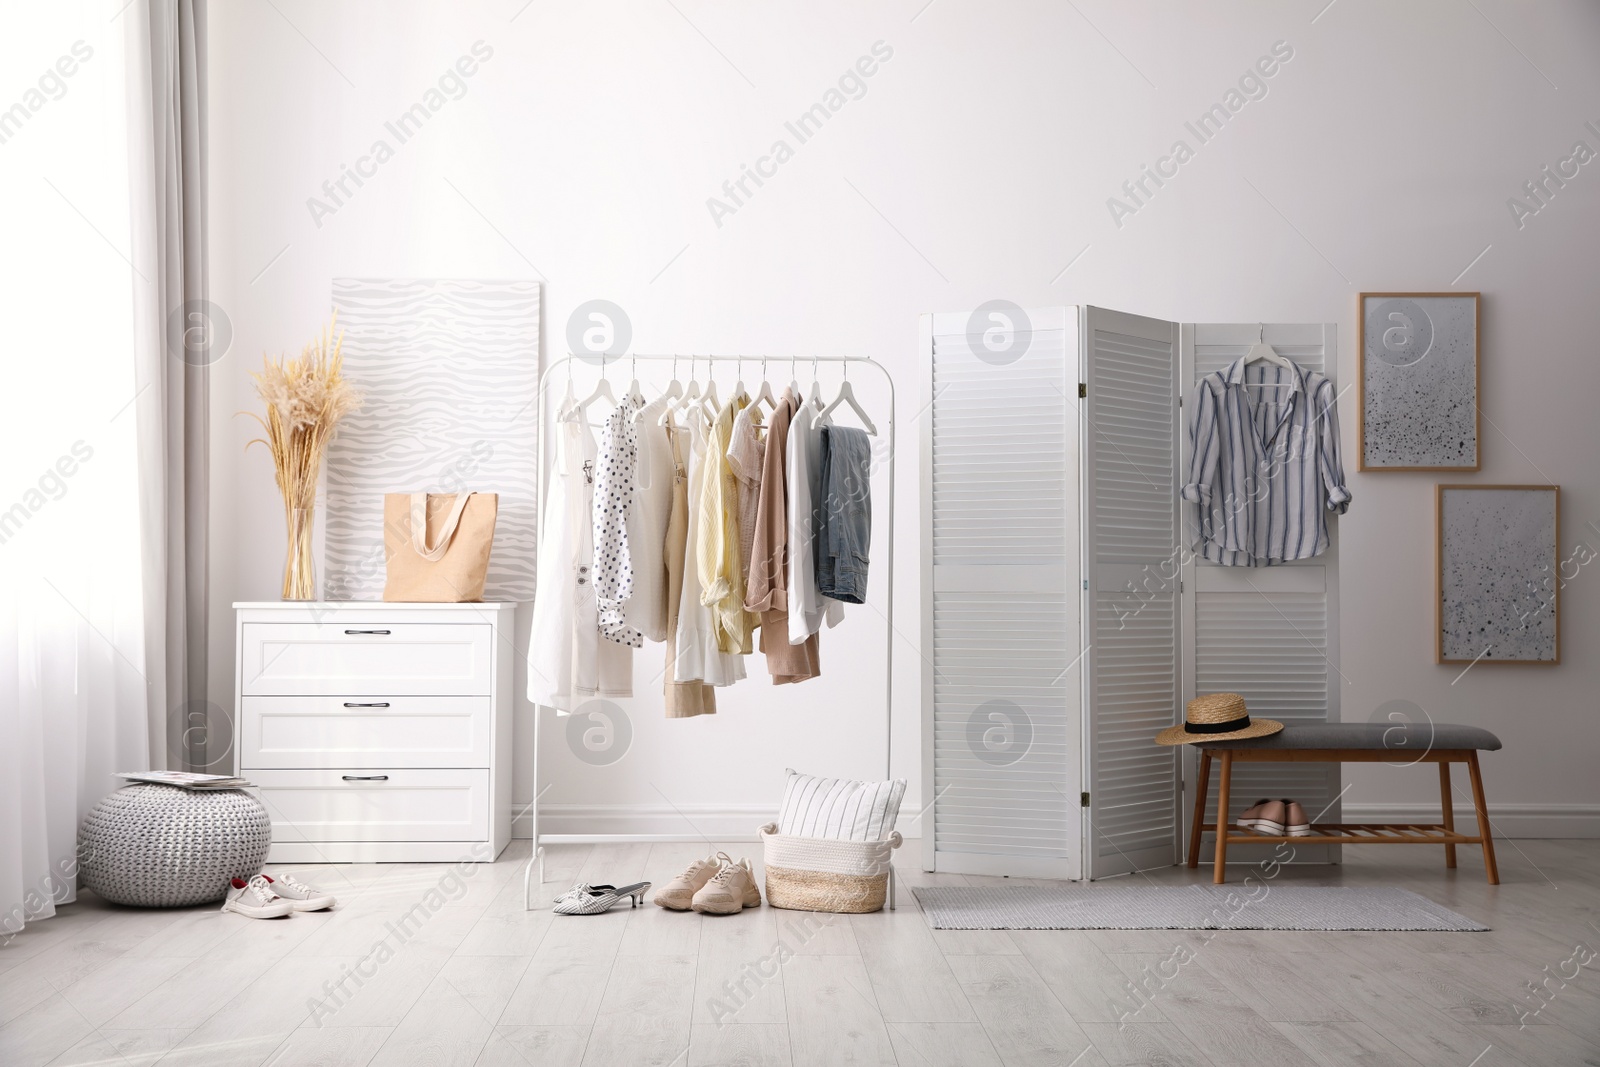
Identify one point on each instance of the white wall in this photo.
(977, 164)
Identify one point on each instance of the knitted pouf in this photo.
(161, 846)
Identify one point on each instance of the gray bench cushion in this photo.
(1401, 737)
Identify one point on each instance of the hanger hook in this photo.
(1261, 332)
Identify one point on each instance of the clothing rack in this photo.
(796, 363)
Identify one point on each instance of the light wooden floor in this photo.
(480, 981)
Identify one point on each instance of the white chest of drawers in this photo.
(377, 732)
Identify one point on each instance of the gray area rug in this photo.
(1191, 907)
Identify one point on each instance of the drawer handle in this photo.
(379, 704)
(366, 777)
(366, 631)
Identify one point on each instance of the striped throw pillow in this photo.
(839, 808)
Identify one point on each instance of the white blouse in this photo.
(567, 661)
(647, 523)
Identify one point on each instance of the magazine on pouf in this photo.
(186, 779)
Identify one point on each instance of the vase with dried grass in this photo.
(305, 399)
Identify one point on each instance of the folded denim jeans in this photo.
(844, 515)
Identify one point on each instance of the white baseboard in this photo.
(1505, 820)
(693, 822)
(687, 822)
(725, 822)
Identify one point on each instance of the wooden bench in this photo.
(1443, 744)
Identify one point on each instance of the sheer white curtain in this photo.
(74, 698)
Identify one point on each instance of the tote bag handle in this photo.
(419, 526)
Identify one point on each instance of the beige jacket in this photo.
(769, 559)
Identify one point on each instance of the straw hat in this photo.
(1217, 717)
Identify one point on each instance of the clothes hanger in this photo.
(678, 398)
(766, 389)
(739, 392)
(601, 391)
(794, 381)
(814, 398)
(674, 387)
(635, 393)
(1265, 353)
(847, 395)
(709, 400)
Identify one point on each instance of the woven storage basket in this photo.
(820, 874)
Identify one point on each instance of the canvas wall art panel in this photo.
(1419, 381)
(450, 371)
(1499, 574)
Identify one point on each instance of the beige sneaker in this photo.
(730, 891)
(678, 894)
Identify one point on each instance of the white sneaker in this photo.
(255, 899)
(301, 897)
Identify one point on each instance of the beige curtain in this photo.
(179, 334)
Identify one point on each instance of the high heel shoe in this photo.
(585, 899)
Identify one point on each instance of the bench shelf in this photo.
(1441, 833)
(1357, 834)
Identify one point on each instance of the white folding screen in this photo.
(1000, 594)
(1129, 449)
(1065, 619)
(1270, 634)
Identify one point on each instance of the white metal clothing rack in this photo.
(797, 363)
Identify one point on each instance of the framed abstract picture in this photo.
(1499, 582)
(1418, 377)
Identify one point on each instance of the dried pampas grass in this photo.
(305, 399)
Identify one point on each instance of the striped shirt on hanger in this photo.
(1264, 466)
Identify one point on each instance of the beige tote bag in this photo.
(437, 545)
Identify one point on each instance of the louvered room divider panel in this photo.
(1273, 650)
(1267, 633)
(999, 653)
(1129, 445)
(1133, 817)
(999, 455)
(1000, 622)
